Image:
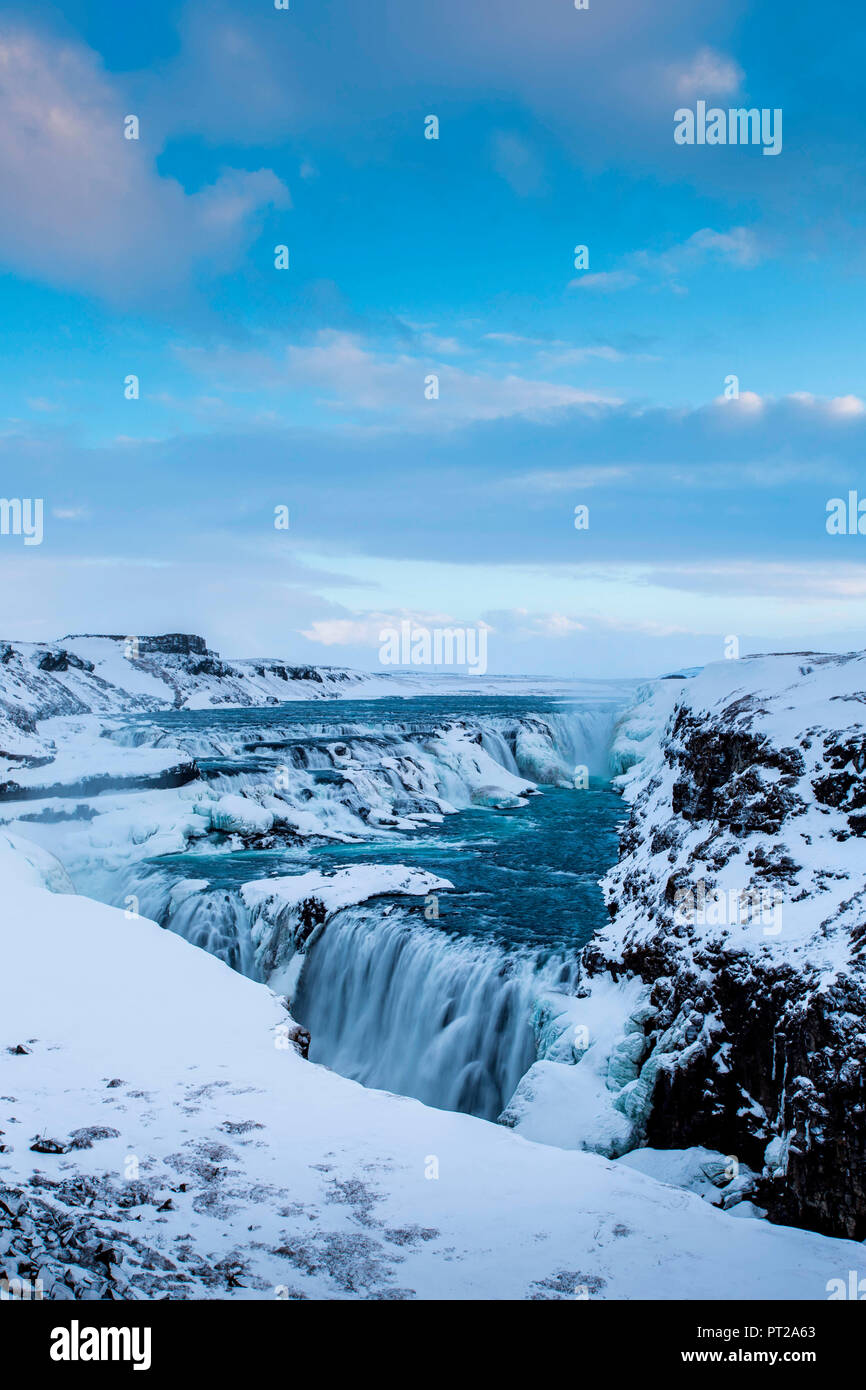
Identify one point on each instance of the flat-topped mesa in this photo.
(169, 643)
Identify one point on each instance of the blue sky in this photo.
(409, 257)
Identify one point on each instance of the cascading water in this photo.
(443, 1010)
(399, 1006)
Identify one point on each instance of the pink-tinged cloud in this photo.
(83, 207)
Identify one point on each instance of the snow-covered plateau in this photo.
(401, 889)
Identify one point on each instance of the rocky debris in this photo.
(79, 1139)
(311, 913)
(566, 1283)
(288, 1034)
(49, 1146)
(48, 1252)
(73, 1239)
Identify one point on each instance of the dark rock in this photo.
(63, 661)
(311, 914)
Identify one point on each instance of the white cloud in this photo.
(846, 407)
(124, 231)
(605, 281)
(365, 629)
(345, 632)
(807, 582)
(518, 340)
(351, 376)
(830, 409)
(521, 624)
(746, 404)
(575, 356)
(709, 74)
(570, 478)
(737, 247)
(70, 513)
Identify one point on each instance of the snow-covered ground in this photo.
(199, 1155)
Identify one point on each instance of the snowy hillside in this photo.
(724, 1006)
(105, 675)
(102, 675)
(164, 1136)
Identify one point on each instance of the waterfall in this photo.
(583, 737)
(391, 1000)
(213, 918)
(398, 1005)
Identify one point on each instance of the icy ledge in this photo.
(186, 1149)
(286, 912)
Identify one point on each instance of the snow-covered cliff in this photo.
(105, 675)
(725, 1005)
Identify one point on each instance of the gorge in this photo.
(443, 911)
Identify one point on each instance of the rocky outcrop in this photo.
(169, 644)
(739, 902)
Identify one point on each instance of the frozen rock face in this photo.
(739, 906)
